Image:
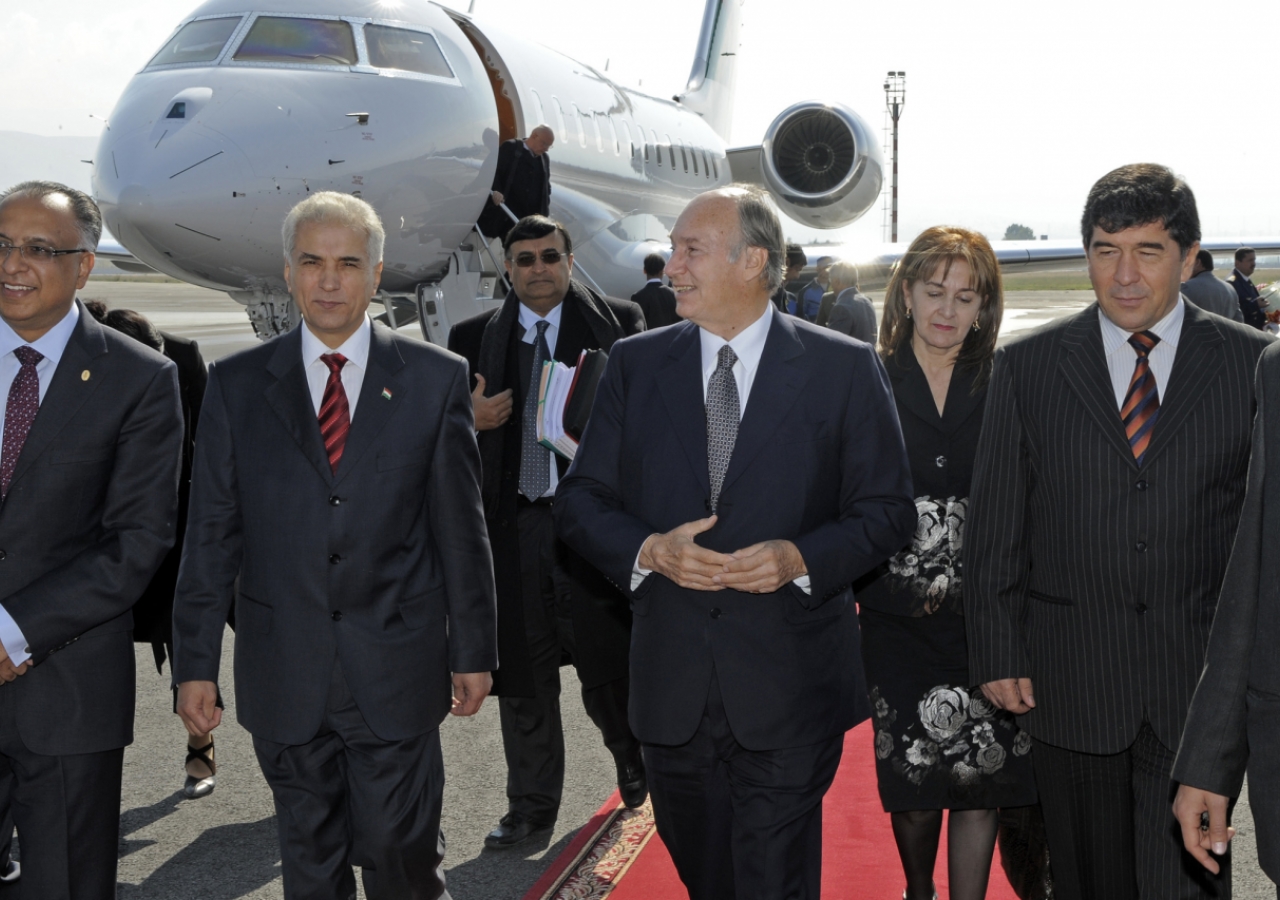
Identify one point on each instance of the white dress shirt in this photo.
(529, 321)
(1121, 357)
(52, 344)
(354, 348)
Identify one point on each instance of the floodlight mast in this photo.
(895, 98)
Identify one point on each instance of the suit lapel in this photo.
(680, 383)
(374, 408)
(778, 382)
(1195, 367)
(290, 398)
(1084, 367)
(68, 391)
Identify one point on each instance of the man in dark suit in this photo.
(553, 607)
(89, 479)
(784, 298)
(1108, 483)
(522, 182)
(655, 299)
(1251, 304)
(745, 666)
(1210, 292)
(335, 500)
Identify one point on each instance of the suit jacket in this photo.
(601, 621)
(658, 303)
(89, 515)
(1234, 722)
(1247, 294)
(853, 315)
(382, 567)
(1209, 292)
(1093, 576)
(788, 663)
(524, 180)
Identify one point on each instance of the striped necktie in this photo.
(335, 413)
(1142, 400)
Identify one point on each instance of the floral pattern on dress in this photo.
(930, 569)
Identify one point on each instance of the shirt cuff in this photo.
(11, 636)
(638, 574)
(803, 583)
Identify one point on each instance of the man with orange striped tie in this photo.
(1107, 489)
(335, 500)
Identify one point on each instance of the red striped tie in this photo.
(1142, 400)
(335, 415)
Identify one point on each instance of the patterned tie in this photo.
(1142, 400)
(535, 459)
(723, 413)
(19, 413)
(335, 414)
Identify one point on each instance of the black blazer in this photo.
(383, 567)
(1234, 722)
(524, 180)
(658, 302)
(89, 515)
(490, 343)
(1247, 293)
(788, 663)
(1094, 577)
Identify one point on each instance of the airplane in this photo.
(243, 112)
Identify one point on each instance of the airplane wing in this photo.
(112, 251)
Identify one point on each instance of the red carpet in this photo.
(618, 855)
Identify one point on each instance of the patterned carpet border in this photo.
(601, 862)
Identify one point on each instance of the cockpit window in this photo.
(410, 51)
(196, 42)
(280, 39)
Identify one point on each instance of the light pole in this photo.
(895, 98)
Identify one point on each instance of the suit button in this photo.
(335, 501)
(335, 559)
(3, 554)
(941, 461)
(336, 616)
(1141, 547)
(1141, 485)
(715, 613)
(1141, 608)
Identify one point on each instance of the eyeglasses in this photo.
(548, 257)
(34, 252)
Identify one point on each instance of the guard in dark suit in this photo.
(553, 607)
(1251, 303)
(745, 667)
(335, 500)
(1108, 483)
(655, 299)
(89, 479)
(522, 182)
(1234, 722)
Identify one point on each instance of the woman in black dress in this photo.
(940, 744)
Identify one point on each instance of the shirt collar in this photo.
(1168, 329)
(748, 344)
(654, 281)
(354, 348)
(51, 344)
(529, 318)
(1240, 275)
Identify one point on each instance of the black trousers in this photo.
(1112, 834)
(67, 809)
(741, 824)
(348, 798)
(532, 734)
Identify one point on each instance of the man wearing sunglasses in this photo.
(89, 456)
(552, 605)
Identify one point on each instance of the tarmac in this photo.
(224, 847)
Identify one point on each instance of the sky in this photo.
(1013, 108)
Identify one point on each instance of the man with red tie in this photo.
(335, 500)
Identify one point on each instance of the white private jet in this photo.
(243, 112)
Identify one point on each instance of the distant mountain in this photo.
(26, 157)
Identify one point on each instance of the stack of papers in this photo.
(565, 396)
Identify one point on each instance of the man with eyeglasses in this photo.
(552, 605)
(89, 458)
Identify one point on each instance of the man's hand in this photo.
(762, 568)
(8, 671)
(1188, 807)
(676, 556)
(198, 706)
(469, 691)
(490, 412)
(497, 197)
(1012, 694)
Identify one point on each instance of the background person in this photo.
(853, 313)
(1252, 305)
(940, 744)
(745, 651)
(522, 182)
(656, 300)
(809, 297)
(553, 606)
(1108, 483)
(784, 297)
(843, 275)
(1209, 292)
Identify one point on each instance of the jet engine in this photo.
(822, 164)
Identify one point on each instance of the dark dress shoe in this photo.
(632, 784)
(514, 828)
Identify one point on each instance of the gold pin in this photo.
(84, 376)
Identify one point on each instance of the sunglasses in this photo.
(548, 257)
(34, 252)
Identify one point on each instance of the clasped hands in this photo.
(759, 569)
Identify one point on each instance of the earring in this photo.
(908, 312)
(976, 326)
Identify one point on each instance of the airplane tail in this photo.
(713, 78)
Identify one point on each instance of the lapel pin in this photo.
(386, 394)
(84, 376)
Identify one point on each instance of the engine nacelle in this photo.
(822, 164)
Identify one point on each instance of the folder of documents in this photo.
(565, 396)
